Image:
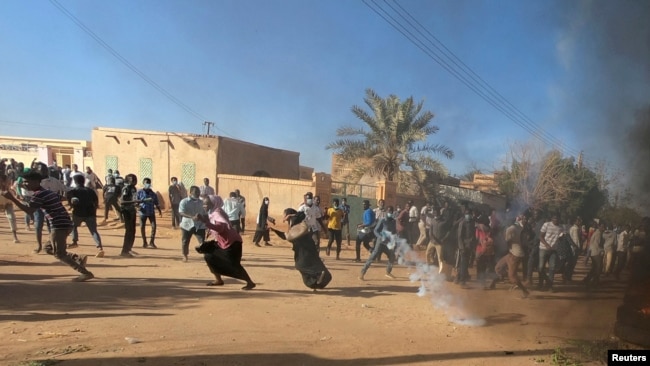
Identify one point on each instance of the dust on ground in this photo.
(157, 310)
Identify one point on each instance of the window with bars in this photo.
(146, 168)
(188, 174)
(111, 162)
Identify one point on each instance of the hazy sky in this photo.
(285, 73)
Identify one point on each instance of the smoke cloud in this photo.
(638, 156)
(604, 47)
(432, 284)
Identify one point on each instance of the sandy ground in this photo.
(171, 317)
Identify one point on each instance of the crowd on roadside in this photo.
(454, 238)
(543, 248)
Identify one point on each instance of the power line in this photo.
(460, 70)
(482, 83)
(17, 123)
(444, 64)
(128, 64)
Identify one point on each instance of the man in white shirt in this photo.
(232, 208)
(549, 235)
(574, 232)
(242, 214)
(622, 245)
(73, 172)
(65, 175)
(596, 249)
(609, 248)
(509, 264)
(92, 180)
(313, 218)
(205, 189)
(423, 226)
(380, 211)
(414, 217)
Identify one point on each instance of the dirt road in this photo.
(157, 310)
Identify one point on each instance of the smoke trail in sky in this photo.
(433, 284)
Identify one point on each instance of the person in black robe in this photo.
(262, 228)
(314, 273)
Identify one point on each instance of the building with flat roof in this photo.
(64, 152)
(189, 157)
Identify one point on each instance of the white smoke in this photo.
(433, 284)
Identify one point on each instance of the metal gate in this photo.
(355, 195)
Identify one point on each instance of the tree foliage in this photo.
(392, 142)
(471, 169)
(547, 181)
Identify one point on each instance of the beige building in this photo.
(487, 183)
(26, 149)
(189, 157)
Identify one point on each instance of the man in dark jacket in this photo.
(386, 233)
(84, 203)
(466, 244)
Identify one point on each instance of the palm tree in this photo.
(395, 141)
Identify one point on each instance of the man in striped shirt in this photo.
(50, 202)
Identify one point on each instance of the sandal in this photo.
(215, 283)
(249, 286)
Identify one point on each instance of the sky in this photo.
(285, 73)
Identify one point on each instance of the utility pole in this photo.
(208, 124)
(580, 157)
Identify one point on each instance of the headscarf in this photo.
(264, 208)
(297, 217)
(218, 214)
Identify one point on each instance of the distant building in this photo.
(487, 183)
(26, 149)
(483, 191)
(162, 155)
(306, 172)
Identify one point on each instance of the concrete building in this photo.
(189, 157)
(26, 149)
(487, 183)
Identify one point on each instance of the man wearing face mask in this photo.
(438, 234)
(335, 215)
(345, 222)
(149, 200)
(191, 210)
(313, 218)
(242, 213)
(232, 208)
(84, 203)
(364, 230)
(384, 230)
(175, 196)
(128, 201)
(466, 244)
(262, 227)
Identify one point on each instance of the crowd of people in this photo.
(41, 191)
(454, 238)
